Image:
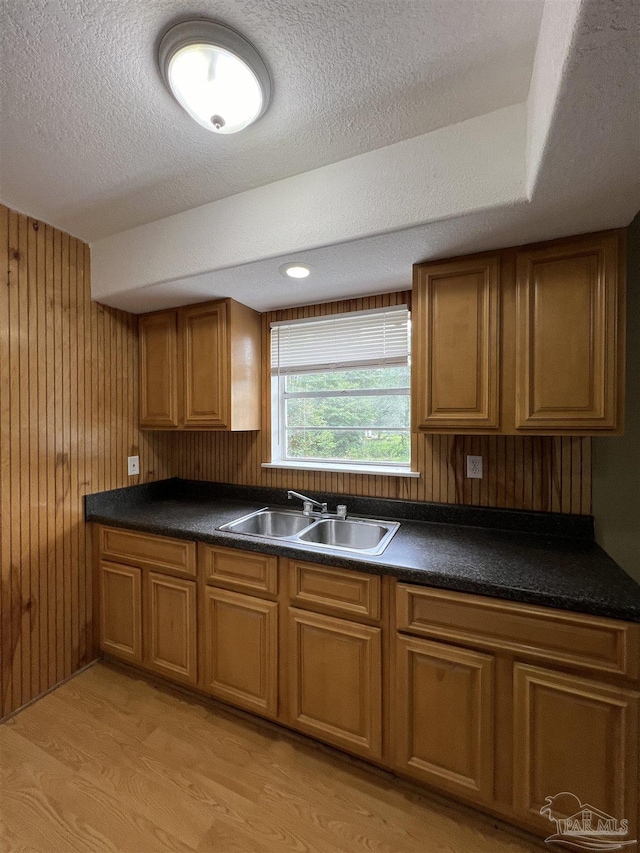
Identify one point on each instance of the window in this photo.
(341, 392)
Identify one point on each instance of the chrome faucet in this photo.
(307, 503)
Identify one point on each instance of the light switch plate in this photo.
(474, 467)
(133, 465)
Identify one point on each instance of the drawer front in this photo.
(586, 642)
(240, 570)
(161, 553)
(316, 587)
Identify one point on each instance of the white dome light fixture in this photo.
(214, 74)
(295, 270)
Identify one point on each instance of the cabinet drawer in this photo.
(242, 570)
(148, 551)
(586, 642)
(316, 587)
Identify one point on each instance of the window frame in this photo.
(280, 396)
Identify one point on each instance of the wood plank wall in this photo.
(68, 420)
(524, 472)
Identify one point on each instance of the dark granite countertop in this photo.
(535, 558)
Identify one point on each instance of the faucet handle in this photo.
(307, 507)
(341, 510)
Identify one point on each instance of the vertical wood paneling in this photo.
(68, 420)
(522, 472)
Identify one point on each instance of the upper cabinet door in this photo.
(456, 339)
(159, 369)
(205, 368)
(569, 336)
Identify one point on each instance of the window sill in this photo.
(334, 467)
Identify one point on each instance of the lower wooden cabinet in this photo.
(444, 716)
(171, 627)
(577, 736)
(485, 703)
(121, 611)
(335, 685)
(240, 650)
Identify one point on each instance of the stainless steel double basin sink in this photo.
(361, 536)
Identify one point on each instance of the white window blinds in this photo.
(357, 339)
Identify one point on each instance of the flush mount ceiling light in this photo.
(214, 74)
(295, 270)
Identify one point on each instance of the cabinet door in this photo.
(159, 369)
(121, 611)
(445, 716)
(205, 367)
(170, 637)
(241, 650)
(456, 335)
(568, 336)
(573, 736)
(336, 681)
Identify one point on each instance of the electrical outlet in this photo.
(133, 465)
(474, 467)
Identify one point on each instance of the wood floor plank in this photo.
(110, 762)
(109, 815)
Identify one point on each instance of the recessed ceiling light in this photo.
(214, 74)
(295, 270)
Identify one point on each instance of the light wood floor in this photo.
(108, 762)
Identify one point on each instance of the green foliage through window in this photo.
(352, 415)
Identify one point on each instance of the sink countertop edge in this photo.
(481, 561)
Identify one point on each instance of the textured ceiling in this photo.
(565, 162)
(91, 142)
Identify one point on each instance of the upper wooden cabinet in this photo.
(159, 358)
(200, 367)
(205, 368)
(524, 340)
(456, 331)
(567, 341)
